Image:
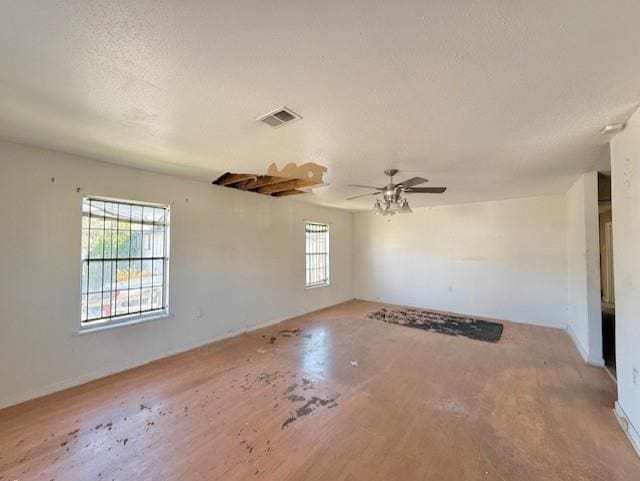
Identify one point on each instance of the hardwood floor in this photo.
(345, 398)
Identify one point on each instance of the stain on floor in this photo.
(286, 333)
(310, 406)
(517, 408)
(449, 324)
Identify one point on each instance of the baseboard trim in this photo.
(488, 317)
(598, 362)
(579, 347)
(627, 427)
(93, 376)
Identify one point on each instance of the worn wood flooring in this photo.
(334, 396)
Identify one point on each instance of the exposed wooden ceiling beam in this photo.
(285, 185)
(285, 193)
(273, 185)
(263, 180)
(229, 178)
(242, 185)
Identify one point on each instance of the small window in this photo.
(317, 254)
(125, 259)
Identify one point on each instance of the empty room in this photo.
(344, 240)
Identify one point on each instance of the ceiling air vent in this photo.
(279, 117)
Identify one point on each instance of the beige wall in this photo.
(503, 259)
(625, 179)
(237, 260)
(584, 316)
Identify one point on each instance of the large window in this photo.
(317, 254)
(125, 260)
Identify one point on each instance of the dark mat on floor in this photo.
(443, 323)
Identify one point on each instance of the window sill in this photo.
(123, 323)
(307, 288)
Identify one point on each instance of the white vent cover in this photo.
(279, 117)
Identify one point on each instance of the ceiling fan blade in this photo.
(366, 186)
(412, 181)
(363, 195)
(426, 190)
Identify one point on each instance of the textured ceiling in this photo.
(494, 99)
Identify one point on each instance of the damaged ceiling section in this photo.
(290, 180)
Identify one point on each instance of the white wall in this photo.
(584, 319)
(504, 259)
(625, 183)
(514, 259)
(236, 256)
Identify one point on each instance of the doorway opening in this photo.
(607, 293)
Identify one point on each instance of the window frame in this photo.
(327, 254)
(104, 323)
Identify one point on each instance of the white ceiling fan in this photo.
(392, 201)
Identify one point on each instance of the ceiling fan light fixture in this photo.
(386, 210)
(392, 201)
(404, 207)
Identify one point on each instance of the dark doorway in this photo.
(606, 273)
